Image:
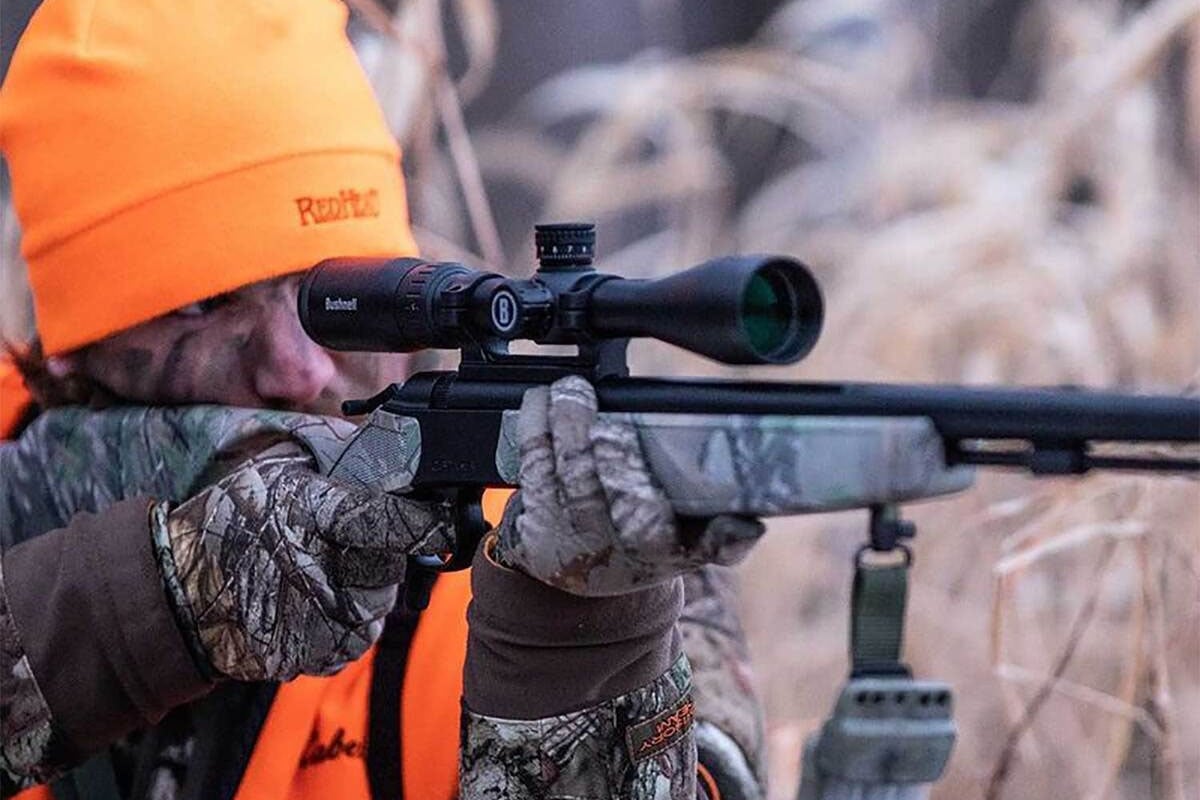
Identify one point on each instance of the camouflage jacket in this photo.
(73, 461)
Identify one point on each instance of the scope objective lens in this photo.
(767, 312)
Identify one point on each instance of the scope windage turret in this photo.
(739, 310)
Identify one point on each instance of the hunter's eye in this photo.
(202, 307)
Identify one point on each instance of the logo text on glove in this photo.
(658, 733)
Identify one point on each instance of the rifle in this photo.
(762, 448)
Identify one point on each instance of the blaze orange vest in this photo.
(313, 743)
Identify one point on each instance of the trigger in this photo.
(470, 528)
(419, 577)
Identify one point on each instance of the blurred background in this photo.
(988, 190)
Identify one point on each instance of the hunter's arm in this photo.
(82, 584)
(91, 590)
(576, 683)
(588, 702)
(102, 633)
(569, 696)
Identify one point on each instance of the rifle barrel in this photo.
(958, 412)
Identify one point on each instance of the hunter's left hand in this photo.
(590, 518)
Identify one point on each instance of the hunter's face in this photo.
(244, 348)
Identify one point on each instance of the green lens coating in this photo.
(766, 313)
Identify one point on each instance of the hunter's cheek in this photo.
(200, 365)
(228, 365)
(126, 370)
(178, 374)
(121, 370)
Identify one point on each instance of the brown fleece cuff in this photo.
(97, 626)
(535, 651)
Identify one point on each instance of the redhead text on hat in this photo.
(346, 204)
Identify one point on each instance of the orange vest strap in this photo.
(14, 397)
(707, 782)
(35, 793)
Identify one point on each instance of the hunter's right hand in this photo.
(272, 569)
(276, 570)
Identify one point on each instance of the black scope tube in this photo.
(378, 304)
(738, 310)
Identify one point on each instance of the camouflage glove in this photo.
(276, 571)
(589, 518)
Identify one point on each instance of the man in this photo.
(174, 166)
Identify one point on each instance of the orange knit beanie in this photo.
(162, 152)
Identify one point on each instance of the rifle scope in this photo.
(739, 310)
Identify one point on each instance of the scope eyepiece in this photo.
(739, 310)
(377, 304)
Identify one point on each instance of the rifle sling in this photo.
(877, 607)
